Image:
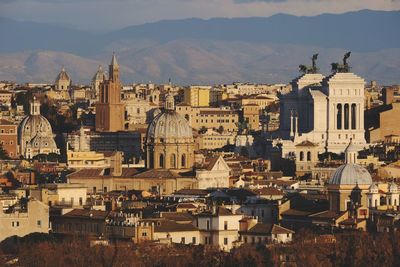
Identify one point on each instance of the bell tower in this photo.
(110, 111)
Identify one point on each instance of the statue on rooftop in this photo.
(310, 69)
(336, 67)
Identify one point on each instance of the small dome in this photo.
(63, 76)
(169, 125)
(99, 76)
(350, 174)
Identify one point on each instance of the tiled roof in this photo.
(84, 213)
(268, 191)
(194, 192)
(164, 225)
(177, 216)
(306, 143)
(267, 228)
(160, 173)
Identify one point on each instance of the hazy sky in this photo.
(111, 14)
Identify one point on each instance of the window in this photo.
(353, 116)
(94, 190)
(301, 155)
(81, 201)
(339, 117)
(225, 225)
(206, 241)
(161, 161)
(183, 240)
(225, 241)
(144, 233)
(173, 161)
(346, 116)
(183, 161)
(308, 156)
(39, 223)
(194, 240)
(105, 189)
(208, 225)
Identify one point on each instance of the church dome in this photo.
(63, 76)
(169, 125)
(99, 76)
(350, 174)
(35, 134)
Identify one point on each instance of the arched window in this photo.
(308, 156)
(353, 116)
(183, 161)
(346, 116)
(301, 155)
(173, 161)
(161, 161)
(376, 203)
(339, 117)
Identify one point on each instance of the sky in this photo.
(104, 15)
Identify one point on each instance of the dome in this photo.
(33, 124)
(35, 135)
(99, 76)
(350, 174)
(170, 125)
(63, 76)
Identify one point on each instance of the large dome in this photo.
(35, 135)
(169, 125)
(350, 174)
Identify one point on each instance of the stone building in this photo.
(110, 111)
(9, 138)
(34, 218)
(35, 135)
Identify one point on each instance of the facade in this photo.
(197, 96)
(33, 219)
(306, 157)
(219, 228)
(255, 233)
(170, 143)
(212, 139)
(251, 115)
(381, 121)
(214, 175)
(210, 118)
(110, 111)
(71, 195)
(327, 111)
(35, 135)
(9, 138)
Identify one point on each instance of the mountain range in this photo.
(194, 51)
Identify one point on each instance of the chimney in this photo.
(117, 164)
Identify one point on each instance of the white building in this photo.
(327, 111)
(215, 175)
(219, 228)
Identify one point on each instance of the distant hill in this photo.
(207, 51)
